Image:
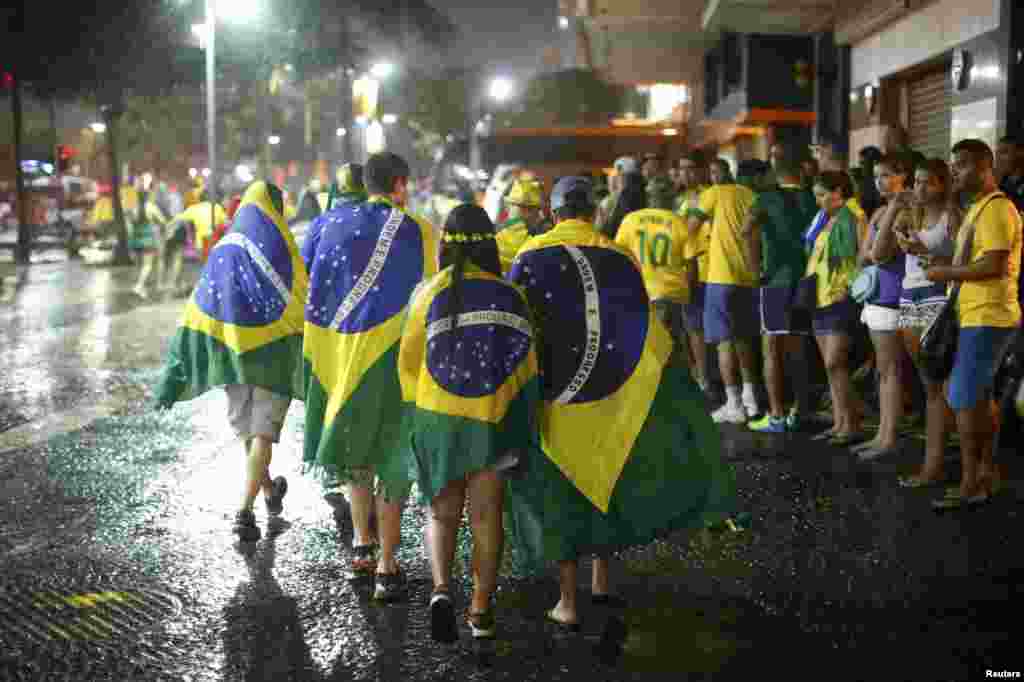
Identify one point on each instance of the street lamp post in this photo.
(500, 89)
(211, 105)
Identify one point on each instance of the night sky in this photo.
(504, 36)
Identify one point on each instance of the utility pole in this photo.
(24, 247)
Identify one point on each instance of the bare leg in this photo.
(446, 514)
(837, 366)
(794, 348)
(728, 364)
(700, 354)
(888, 350)
(257, 466)
(565, 609)
(389, 519)
(774, 374)
(486, 502)
(360, 499)
(974, 424)
(748, 362)
(823, 348)
(599, 576)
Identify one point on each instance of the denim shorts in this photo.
(979, 353)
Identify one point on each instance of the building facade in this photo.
(937, 73)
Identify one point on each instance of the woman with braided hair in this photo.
(468, 370)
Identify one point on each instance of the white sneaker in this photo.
(730, 414)
(750, 405)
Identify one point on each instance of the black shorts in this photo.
(777, 314)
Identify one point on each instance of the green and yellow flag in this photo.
(243, 324)
(365, 260)
(630, 450)
(470, 387)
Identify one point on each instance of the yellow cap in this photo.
(525, 193)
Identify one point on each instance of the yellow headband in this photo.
(462, 237)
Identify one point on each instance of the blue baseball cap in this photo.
(567, 185)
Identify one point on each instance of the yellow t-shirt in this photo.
(727, 207)
(199, 215)
(657, 238)
(699, 246)
(991, 302)
(510, 239)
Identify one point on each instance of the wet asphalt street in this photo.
(117, 561)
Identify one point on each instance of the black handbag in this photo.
(805, 294)
(939, 341)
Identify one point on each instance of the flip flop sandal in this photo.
(824, 435)
(958, 502)
(610, 600)
(561, 625)
(914, 482)
(846, 439)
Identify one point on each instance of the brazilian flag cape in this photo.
(243, 324)
(470, 386)
(630, 450)
(364, 261)
(511, 237)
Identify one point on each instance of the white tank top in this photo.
(936, 240)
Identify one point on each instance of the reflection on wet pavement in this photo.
(833, 567)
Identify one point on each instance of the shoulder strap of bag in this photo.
(969, 241)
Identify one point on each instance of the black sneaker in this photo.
(442, 618)
(278, 489)
(245, 526)
(389, 586)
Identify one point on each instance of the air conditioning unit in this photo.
(871, 18)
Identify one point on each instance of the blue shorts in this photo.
(730, 312)
(777, 314)
(837, 318)
(693, 312)
(979, 353)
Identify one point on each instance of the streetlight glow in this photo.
(382, 70)
(274, 139)
(193, 172)
(341, 132)
(206, 172)
(563, 23)
(238, 10)
(388, 119)
(98, 127)
(670, 132)
(501, 89)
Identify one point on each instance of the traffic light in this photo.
(7, 80)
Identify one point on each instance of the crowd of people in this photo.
(864, 260)
(557, 379)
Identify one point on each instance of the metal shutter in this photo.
(930, 100)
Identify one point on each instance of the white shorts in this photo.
(880, 319)
(255, 411)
